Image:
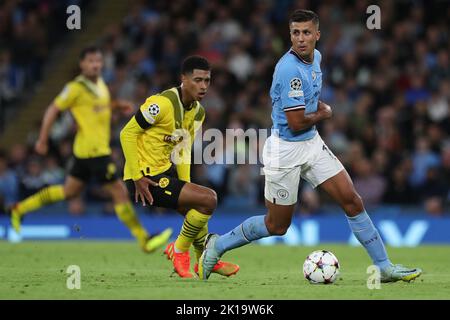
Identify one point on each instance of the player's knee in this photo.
(358, 203)
(212, 200)
(354, 205)
(70, 193)
(276, 229)
(119, 192)
(209, 201)
(279, 231)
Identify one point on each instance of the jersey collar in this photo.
(91, 86)
(192, 105)
(291, 51)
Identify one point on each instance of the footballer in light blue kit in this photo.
(295, 150)
(296, 85)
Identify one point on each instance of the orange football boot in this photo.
(223, 268)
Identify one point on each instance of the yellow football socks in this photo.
(199, 242)
(127, 215)
(41, 198)
(194, 222)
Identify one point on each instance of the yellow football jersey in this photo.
(161, 133)
(90, 105)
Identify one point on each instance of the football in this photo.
(321, 266)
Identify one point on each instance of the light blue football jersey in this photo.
(296, 84)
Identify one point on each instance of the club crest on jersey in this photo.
(313, 74)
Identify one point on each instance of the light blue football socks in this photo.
(253, 228)
(368, 236)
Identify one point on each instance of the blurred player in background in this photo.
(88, 99)
(295, 150)
(157, 145)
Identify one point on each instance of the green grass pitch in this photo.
(119, 270)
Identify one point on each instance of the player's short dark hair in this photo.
(302, 15)
(194, 62)
(88, 50)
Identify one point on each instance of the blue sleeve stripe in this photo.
(293, 108)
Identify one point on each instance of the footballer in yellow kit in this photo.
(89, 104)
(166, 126)
(157, 145)
(87, 97)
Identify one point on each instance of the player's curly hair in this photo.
(302, 15)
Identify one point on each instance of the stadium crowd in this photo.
(389, 89)
(28, 32)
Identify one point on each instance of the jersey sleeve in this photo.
(128, 139)
(151, 112)
(67, 96)
(292, 97)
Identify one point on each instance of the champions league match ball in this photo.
(321, 267)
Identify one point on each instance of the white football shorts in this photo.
(285, 162)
